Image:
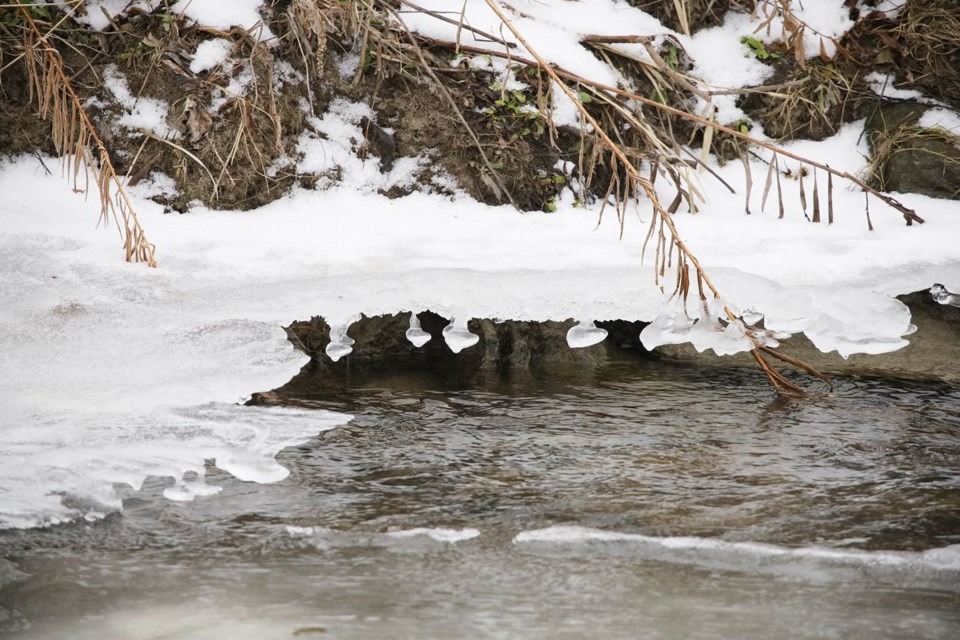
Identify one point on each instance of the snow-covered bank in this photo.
(114, 371)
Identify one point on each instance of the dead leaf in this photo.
(197, 121)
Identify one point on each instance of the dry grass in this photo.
(928, 33)
(811, 101)
(76, 140)
(935, 143)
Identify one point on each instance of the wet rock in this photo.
(381, 343)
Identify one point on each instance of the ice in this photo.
(941, 295)
(751, 317)
(695, 549)
(340, 343)
(704, 327)
(585, 334)
(457, 336)
(416, 335)
(439, 534)
(187, 490)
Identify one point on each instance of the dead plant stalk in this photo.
(77, 142)
(781, 384)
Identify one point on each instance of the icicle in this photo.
(340, 343)
(458, 337)
(585, 334)
(417, 336)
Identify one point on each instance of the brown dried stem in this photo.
(76, 141)
(667, 247)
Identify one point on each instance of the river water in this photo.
(630, 501)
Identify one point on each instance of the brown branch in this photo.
(601, 39)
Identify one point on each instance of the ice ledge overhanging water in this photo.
(108, 366)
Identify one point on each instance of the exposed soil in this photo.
(240, 121)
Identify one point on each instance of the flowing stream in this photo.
(630, 501)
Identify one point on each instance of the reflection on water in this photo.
(631, 501)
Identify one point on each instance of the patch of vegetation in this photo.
(758, 49)
(810, 102)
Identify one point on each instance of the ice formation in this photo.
(585, 334)
(340, 343)
(692, 549)
(440, 534)
(457, 336)
(415, 334)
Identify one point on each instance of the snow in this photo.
(217, 14)
(553, 29)
(330, 148)
(115, 372)
(95, 12)
(721, 59)
(939, 118)
(139, 112)
(226, 15)
(209, 54)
